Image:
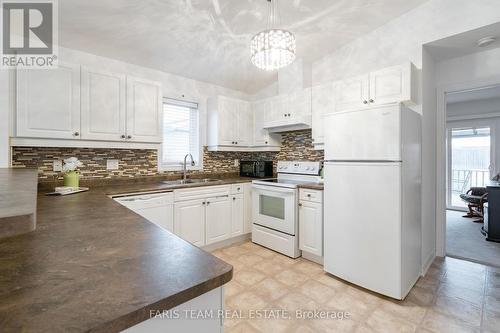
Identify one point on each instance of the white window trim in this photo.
(162, 167)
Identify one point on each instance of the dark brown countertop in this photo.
(92, 265)
(313, 186)
(161, 187)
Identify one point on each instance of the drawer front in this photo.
(237, 188)
(311, 195)
(202, 192)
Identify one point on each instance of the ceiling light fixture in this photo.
(273, 48)
(486, 41)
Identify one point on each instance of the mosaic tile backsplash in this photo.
(133, 163)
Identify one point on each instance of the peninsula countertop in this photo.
(92, 265)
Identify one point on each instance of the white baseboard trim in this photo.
(227, 242)
(312, 257)
(428, 262)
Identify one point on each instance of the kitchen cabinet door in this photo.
(218, 219)
(169, 218)
(103, 105)
(48, 102)
(352, 93)
(227, 118)
(391, 85)
(311, 227)
(299, 103)
(244, 124)
(247, 209)
(189, 221)
(261, 135)
(237, 215)
(323, 102)
(278, 109)
(144, 105)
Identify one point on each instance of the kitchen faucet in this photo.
(184, 167)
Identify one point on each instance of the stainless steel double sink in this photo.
(189, 181)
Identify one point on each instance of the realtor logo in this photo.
(29, 33)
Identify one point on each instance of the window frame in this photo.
(165, 167)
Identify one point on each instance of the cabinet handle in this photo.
(371, 101)
(284, 115)
(203, 203)
(234, 198)
(208, 202)
(129, 136)
(123, 136)
(236, 142)
(300, 205)
(309, 195)
(288, 115)
(76, 134)
(365, 102)
(266, 142)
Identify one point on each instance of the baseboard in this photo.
(312, 257)
(227, 242)
(428, 262)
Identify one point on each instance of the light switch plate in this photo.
(112, 164)
(236, 163)
(57, 166)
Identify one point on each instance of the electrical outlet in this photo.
(57, 166)
(236, 163)
(112, 164)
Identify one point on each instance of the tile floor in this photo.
(455, 296)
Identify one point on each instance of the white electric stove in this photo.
(275, 206)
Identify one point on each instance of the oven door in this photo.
(275, 208)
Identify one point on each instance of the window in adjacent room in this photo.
(181, 134)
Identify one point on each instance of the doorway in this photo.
(470, 154)
(471, 159)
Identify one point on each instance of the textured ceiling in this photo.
(208, 40)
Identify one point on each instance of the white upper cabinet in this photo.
(73, 102)
(230, 124)
(103, 105)
(144, 100)
(244, 134)
(262, 137)
(299, 104)
(278, 109)
(393, 84)
(388, 85)
(48, 102)
(323, 102)
(352, 93)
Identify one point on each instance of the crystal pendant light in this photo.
(273, 48)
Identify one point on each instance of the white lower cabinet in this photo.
(237, 215)
(189, 221)
(218, 220)
(247, 213)
(211, 214)
(311, 222)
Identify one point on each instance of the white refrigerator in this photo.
(372, 227)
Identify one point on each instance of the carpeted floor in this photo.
(464, 240)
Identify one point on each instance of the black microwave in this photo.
(257, 169)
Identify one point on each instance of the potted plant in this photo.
(71, 174)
